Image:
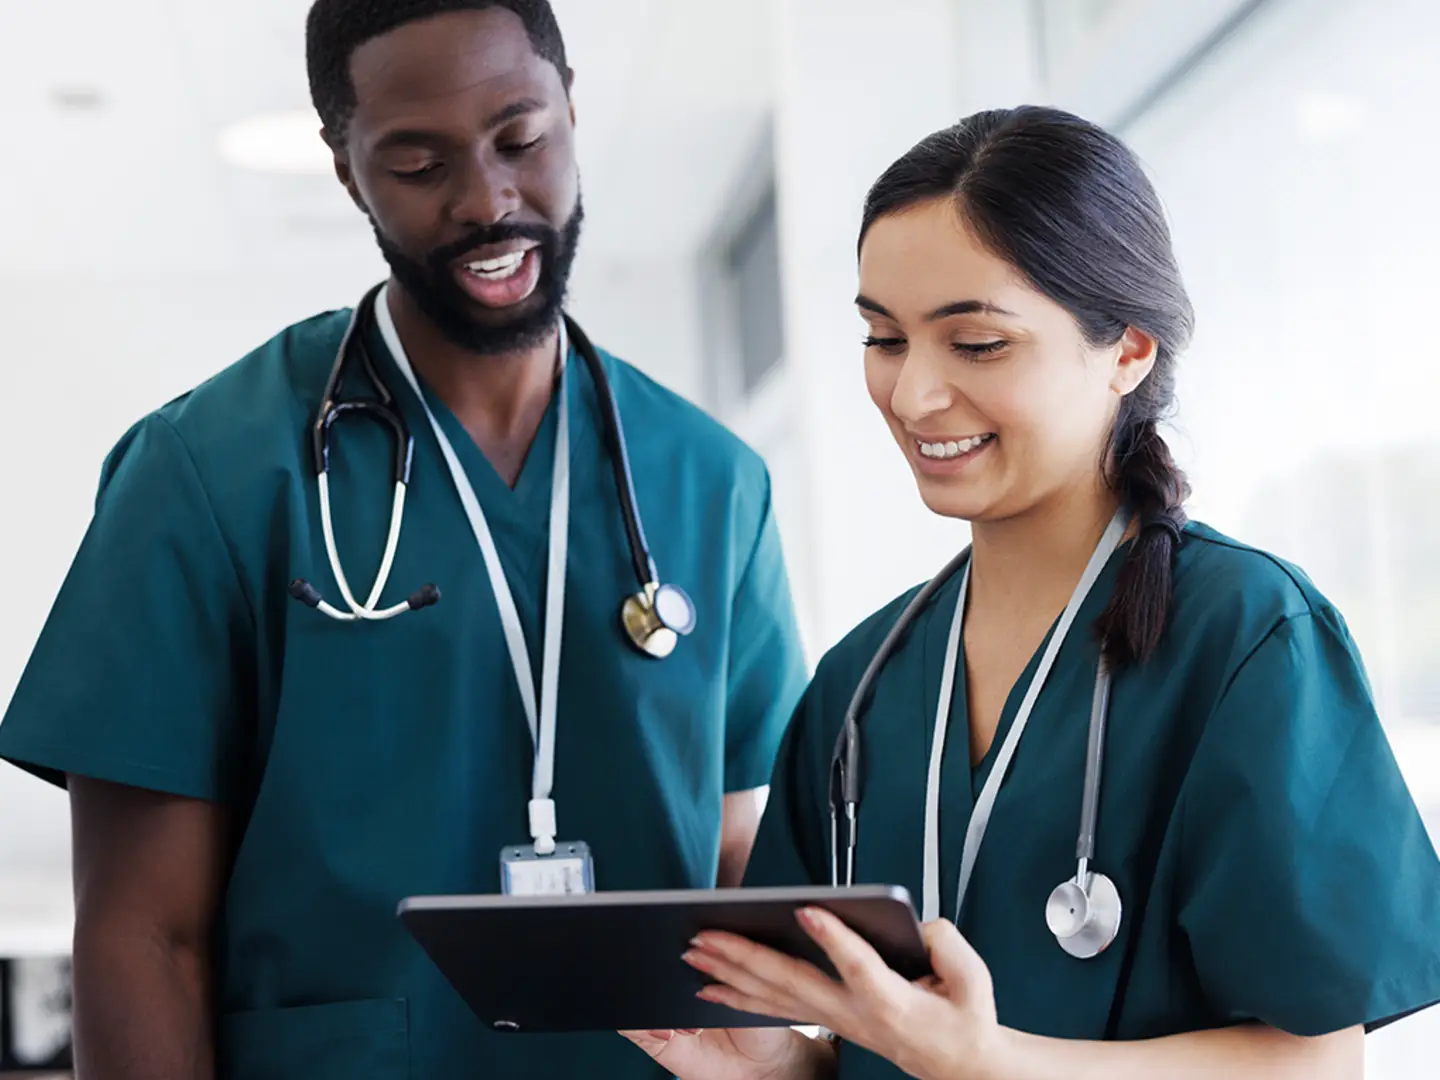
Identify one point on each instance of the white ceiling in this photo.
(670, 94)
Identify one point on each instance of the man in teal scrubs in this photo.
(256, 784)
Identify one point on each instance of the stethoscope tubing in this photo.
(333, 410)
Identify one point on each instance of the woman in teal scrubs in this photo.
(1279, 894)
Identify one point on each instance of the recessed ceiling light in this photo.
(78, 98)
(1326, 116)
(287, 142)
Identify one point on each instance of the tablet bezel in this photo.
(553, 963)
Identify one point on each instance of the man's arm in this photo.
(149, 870)
(738, 824)
(767, 675)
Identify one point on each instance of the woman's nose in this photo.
(922, 390)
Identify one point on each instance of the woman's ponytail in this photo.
(1154, 489)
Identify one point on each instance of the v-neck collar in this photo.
(960, 781)
(527, 504)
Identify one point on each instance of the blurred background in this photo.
(166, 205)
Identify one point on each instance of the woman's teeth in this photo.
(498, 269)
(942, 450)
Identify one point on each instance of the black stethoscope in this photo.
(654, 618)
(1083, 912)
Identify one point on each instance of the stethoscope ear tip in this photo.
(424, 597)
(303, 591)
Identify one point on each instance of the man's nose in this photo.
(487, 193)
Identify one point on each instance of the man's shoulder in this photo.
(257, 407)
(281, 375)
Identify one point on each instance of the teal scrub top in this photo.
(369, 762)
(1269, 857)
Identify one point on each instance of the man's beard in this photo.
(431, 284)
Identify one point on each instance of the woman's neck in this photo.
(1030, 564)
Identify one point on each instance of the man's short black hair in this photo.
(336, 28)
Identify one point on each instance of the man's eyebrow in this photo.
(431, 140)
(514, 111)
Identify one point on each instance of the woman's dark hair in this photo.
(1070, 207)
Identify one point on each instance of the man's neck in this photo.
(500, 400)
(1030, 564)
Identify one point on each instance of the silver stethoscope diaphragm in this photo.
(1084, 914)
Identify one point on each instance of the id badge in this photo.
(566, 872)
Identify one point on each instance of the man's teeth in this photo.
(943, 450)
(497, 269)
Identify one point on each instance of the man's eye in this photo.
(416, 173)
(525, 147)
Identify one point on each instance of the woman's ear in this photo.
(1136, 358)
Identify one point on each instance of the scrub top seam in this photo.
(291, 375)
(40, 756)
(214, 518)
(766, 512)
(749, 774)
(1303, 587)
(1275, 627)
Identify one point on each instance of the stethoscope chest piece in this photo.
(1085, 919)
(657, 618)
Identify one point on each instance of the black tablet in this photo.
(610, 961)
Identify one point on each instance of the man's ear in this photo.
(343, 172)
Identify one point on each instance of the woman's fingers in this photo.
(763, 975)
(708, 959)
(856, 960)
(954, 959)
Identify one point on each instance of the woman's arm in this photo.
(1236, 1053)
(945, 1027)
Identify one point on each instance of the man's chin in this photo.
(491, 331)
(488, 317)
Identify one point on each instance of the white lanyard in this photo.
(980, 816)
(541, 721)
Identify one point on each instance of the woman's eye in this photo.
(885, 344)
(975, 349)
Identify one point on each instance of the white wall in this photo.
(645, 312)
(866, 535)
